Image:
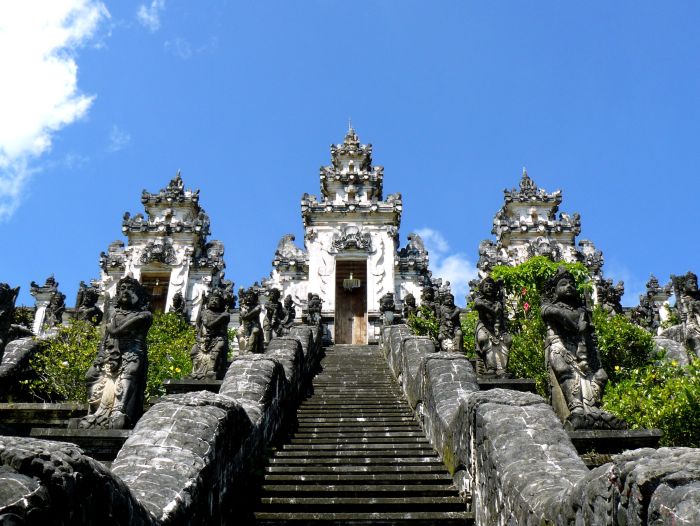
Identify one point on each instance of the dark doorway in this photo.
(157, 287)
(351, 302)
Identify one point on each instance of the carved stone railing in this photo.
(187, 461)
(510, 451)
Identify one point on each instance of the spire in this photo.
(527, 185)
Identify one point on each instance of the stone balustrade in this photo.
(510, 451)
(187, 461)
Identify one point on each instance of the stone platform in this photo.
(18, 419)
(100, 444)
(596, 446)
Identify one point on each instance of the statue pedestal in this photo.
(596, 446)
(188, 385)
(100, 444)
(514, 384)
(18, 419)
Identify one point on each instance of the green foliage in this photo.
(468, 325)
(622, 345)
(663, 396)
(170, 340)
(232, 338)
(673, 318)
(425, 323)
(23, 316)
(524, 286)
(61, 363)
(526, 359)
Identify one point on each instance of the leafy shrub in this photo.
(170, 340)
(622, 345)
(663, 396)
(468, 325)
(23, 316)
(524, 286)
(425, 323)
(61, 363)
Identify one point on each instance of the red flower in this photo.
(526, 306)
(524, 291)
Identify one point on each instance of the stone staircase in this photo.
(357, 455)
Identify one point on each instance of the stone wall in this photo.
(510, 451)
(187, 461)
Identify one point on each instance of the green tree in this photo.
(60, 365)
(170, 340)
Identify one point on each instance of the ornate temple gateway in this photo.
(351, 255)
(167, 251)
(528, 225)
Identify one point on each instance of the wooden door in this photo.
(157, 287)
(351, 305)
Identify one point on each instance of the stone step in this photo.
(345, 420)
(387, 452)
(359, 440)
(435, 518)
(360, 490)
(330, 434)
(368, 426)
(359, 478)
(435, 467)
(404, 504)
(361, 446)
(354, 461)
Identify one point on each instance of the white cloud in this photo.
(179, 47)
(149, 16)
(39, 93)
(118, 139)
(452, 267)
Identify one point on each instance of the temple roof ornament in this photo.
(529, 224)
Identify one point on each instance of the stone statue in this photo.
(409, 307)
(646, 314)
(55, 310)
(250, 335)
(576, 377)
(178, 306)
(450, 332)
(688, 299)
(117, 378)
(428, 299)
(289, 315)
(610, 296)
(492, 340)
(314, 308)
(274, 312)
(387, 307)
(211, 347)
(86, 305)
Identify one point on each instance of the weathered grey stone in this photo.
(44, 482)
(179, 457)
(287, 351)
(522, 460)
(415, 349)
(394, 335)
(674, 351)
(446, 379)
(15, 360)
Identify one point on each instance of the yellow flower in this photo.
(674, 362)
(177, 369)
(617, 367)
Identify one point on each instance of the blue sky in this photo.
(101, 100)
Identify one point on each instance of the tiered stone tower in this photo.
(351, 257)
(528, 225)
(167, 250)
